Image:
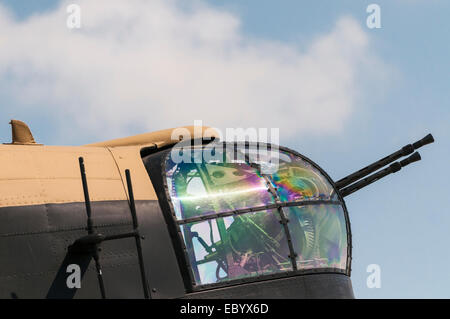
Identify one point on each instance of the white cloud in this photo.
(156, 65)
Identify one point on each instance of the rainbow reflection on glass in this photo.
(296, 179)
(242, 244)
(209, 187)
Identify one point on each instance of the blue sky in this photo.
(400, 222)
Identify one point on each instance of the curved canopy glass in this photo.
(238, 206)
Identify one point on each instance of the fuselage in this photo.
(209, 229)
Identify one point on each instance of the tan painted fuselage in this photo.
(39, 174)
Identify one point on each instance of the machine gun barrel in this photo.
(404, 151)
(393, 168)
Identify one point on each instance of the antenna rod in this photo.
(137, 235)
(404, 151)
(393, 168)
(90, 227)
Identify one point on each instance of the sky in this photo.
(340, 93)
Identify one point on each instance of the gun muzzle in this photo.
(426, 140)
(413, 158)
(404, 151)
(393, 168)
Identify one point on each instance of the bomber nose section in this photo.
(246, 232)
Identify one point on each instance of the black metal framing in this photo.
(90, 244)
(194, 286)
(256, 209)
